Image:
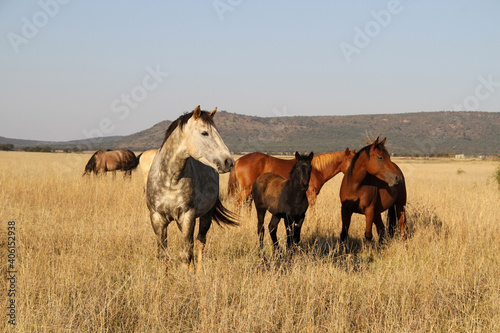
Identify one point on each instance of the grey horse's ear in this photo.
(311, 155)
(297, 155)
(196, 112)
(212, 113)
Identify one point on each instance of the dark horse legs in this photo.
(273, 227)
(289, 231)
(261, 213)
(292, 231)
(371, 217)
(293, 227)
(397, 213)
(377, 219)
(346, 221)
(297, 227)
(205, 223)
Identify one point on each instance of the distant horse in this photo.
(111, 160)
(145, 163)
(144, 160)
(249, 167)
(183, 183)
(283, 198)
(372, 185)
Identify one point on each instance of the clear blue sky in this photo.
(71, 69)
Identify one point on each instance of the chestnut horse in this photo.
(111, 160)
(249, 167)
(372, 185)
(283, 198)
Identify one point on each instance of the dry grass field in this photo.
(85, 259)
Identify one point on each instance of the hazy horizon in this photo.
(271, 116)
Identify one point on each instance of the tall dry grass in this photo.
(86, 259)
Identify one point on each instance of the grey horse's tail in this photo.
(232, 184)
(222, 215)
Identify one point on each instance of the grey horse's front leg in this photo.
(160, 224)
(201, 240)
(187, 223)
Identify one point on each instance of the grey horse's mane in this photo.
(182, 120)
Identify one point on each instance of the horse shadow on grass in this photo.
(353, 255)
(423, 218)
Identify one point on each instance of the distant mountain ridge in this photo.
(420, 133)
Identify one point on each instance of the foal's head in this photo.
(203, 141)
(301, 171)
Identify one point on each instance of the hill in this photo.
(420, 133)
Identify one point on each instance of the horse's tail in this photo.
(130, 165)
(91, 165)
(222, 215)
(391, 220)
(232, 184)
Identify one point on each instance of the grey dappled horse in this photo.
(183, 182)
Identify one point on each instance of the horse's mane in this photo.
(182, 120)
(323, 161)
(366, 150)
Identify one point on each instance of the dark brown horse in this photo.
(249, 167)
(372, 185)
(111, 160)
(283, 198)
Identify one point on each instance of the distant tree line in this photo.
(73, 150)
(6, 146)
(40, 149)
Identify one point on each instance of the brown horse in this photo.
(111, 160)
(372, 185)
(249, 167)
(283, 198)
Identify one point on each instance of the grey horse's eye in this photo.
(205, 133)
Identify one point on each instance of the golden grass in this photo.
(86, 259)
